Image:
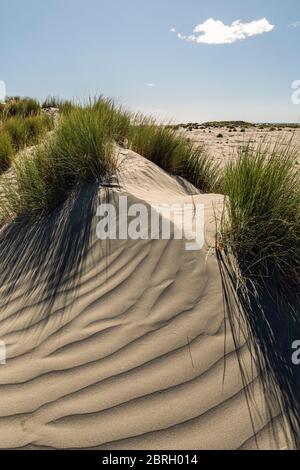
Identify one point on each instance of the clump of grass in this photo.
(20, 108)
(16, 128)
(173, 153)
(36, 128)
(263, 211)
(27, 131)
(6, 151)
(13, 98)
(80, 150)
(65, 106)
(220, 136)
(51, 102)
(261, 228)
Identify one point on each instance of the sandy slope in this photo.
(120, 344)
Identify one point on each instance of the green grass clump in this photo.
(261, 228)
(173, 153)
(64, 106)
(263, 212)
(51, 102)
(27, 131)
(36, 127)
(80, 150)
(16, 128)
(20, 108)
(6, 151)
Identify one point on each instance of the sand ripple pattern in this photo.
(126, 345)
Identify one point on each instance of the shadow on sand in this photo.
(48, 255)
(269, 318)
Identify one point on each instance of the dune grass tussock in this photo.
(22, 124)
(17, 133)
(64, 106)
(263, 210)
(173, 153)
(19, 107)
(52, 102)
(36, 127)
(16, 129)
(261, 228)
(80, 150)
(6, 151)
(27, 131)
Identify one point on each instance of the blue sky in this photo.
(76, 48)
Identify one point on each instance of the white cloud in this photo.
(296, 24)
(151, 84)
(173, 30)
(216, 32)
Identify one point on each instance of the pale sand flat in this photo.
(225, 149)
(125, 349)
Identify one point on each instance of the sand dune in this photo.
(122, 344)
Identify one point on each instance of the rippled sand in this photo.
(122, 345)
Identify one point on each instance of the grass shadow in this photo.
(48, 255)
(268, 317)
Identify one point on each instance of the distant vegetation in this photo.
(229, 124)
(232, 125)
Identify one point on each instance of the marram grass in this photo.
(19, 107)
(262, 223)
(173, 152)
(81, 149)
(6, 151)
(261, 228)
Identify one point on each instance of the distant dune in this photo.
(123, 344)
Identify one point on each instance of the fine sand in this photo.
(122, 344)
